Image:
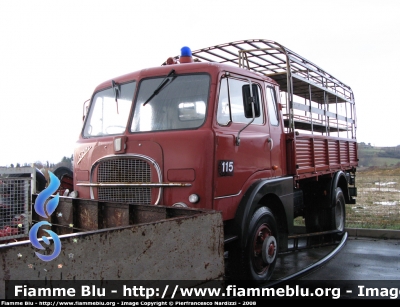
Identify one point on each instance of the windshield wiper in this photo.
(162, 85)
(117, 90)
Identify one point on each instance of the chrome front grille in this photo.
(124, 170)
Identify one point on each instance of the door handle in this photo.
(271, 143)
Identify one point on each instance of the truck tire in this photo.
(256, 262)
(338, 212)
(62, 171)
(320, 218)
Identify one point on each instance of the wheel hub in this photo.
(264, 249)
(269, 250)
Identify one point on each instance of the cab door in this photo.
(242, 150)
(277, 142)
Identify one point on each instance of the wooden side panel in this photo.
(320, 153)
(304, 155)
(353, 157)
(333, 147)
(313, 155)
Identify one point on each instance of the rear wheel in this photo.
(256, 262)
(320, 218)
(339, 212)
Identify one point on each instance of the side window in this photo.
(231, 104)
(272, 106)
(224, 114)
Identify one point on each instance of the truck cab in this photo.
(181, 135)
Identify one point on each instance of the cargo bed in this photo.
(313, 155)
(319, 113)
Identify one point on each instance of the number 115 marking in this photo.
(225, 168)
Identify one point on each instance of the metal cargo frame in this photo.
(321, 93)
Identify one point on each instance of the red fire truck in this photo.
(248, 128)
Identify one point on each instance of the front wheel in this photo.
(257, 260)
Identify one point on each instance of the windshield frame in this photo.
(121, 106)
(168, 93)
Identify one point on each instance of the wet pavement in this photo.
(359, 258)
(362, 259)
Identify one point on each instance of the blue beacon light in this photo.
(186, 55)
(185, 51)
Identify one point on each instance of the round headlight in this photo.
(194, 198)
(73, 194)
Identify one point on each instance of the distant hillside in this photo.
(378, 156)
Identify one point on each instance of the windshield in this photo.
(109, 112)
(180, 104)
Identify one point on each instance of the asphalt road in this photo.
(362, 258)
(363, 267)
(365, 255)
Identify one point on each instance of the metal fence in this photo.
(15, 202)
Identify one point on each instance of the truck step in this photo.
(229, 238)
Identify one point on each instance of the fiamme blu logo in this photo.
(45, 209)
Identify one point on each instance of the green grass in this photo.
(377, 204)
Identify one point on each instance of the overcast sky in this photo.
(54, 53)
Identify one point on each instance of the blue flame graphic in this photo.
(46, 212)
(45, 194)
(33, 238)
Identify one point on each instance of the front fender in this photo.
(282, 188)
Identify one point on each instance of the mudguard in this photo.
(280, 188)
(339, 180)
